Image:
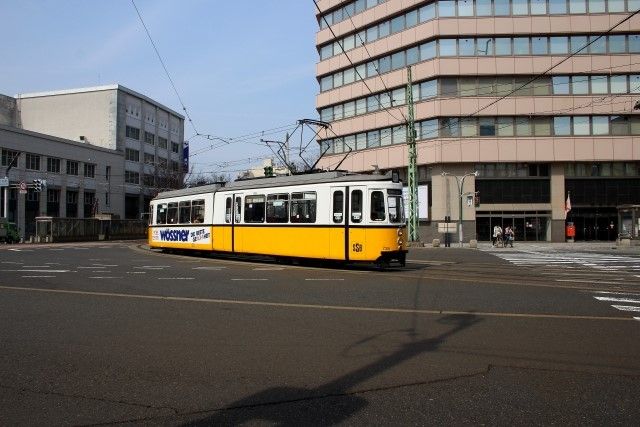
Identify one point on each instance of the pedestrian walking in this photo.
(508, 236)
(497, 233)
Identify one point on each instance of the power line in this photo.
(354, 67)
(561, 62)
(165, 68)
(537, 76)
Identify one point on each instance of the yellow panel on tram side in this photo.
(295, 241)
(368, 243)
(336, 242)
(222, 238)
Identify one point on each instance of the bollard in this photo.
(473, 244)
(436, 243)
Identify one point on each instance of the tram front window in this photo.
(396, 206)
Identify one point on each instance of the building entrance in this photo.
(527, 226)
(594, 223)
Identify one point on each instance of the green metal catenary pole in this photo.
(412, 178)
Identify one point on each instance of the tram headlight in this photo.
(400, 233)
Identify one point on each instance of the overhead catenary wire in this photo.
(164, 67)
(537, 76)
(362, 79)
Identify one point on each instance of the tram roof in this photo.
(279, 181)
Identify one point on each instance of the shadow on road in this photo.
(330, 403)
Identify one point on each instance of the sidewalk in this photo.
(547, 246)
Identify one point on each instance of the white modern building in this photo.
(149, 136)
(101, 150)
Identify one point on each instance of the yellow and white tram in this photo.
(329, 215)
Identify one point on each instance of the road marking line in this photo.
(106, 265)
(36, 276)
(317, 307)
(323, 280)
(91, 267)
(106, 277)
(597, 282)
(249, 280)
(37, 271)
(612, 299)
(208, 268)
(176, 278)
(637, 318)
(616, 293)
(136, 272)
(626, 307)
(153, 267)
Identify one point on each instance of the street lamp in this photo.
(460, 183)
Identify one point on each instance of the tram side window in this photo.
(197, 212)
(303, 207)
(396, 206)
(278, 208)
(356, 206)
(238, 209)
(377, 206)
(254, 209)
(172, 213)
(161, 214)
(227, 210)
(338, 206)
(185, 212)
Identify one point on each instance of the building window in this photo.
(131, 177)
(175, 147)
(132, 155)
(53, 165)
(72, 204)
(162, 142)
(9, 156)
(32, 162)
(89, 170)
(149, 138)
(72, 167)
(107, 173)
(149, 158)
(133, 133)
(148, 180)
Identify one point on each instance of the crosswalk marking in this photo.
(612, 299)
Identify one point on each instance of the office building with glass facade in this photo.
(536, 96)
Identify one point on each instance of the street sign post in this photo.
(23, 187)
(4, 182)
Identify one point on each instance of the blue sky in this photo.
(239, 66)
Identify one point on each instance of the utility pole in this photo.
(6, 187)
(461, 194)
(412, 179)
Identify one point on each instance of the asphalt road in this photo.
(113, 333)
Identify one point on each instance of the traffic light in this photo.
(37, 185)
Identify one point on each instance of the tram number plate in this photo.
(357, 247)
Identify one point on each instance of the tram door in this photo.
(356, 243)
(338, 230)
